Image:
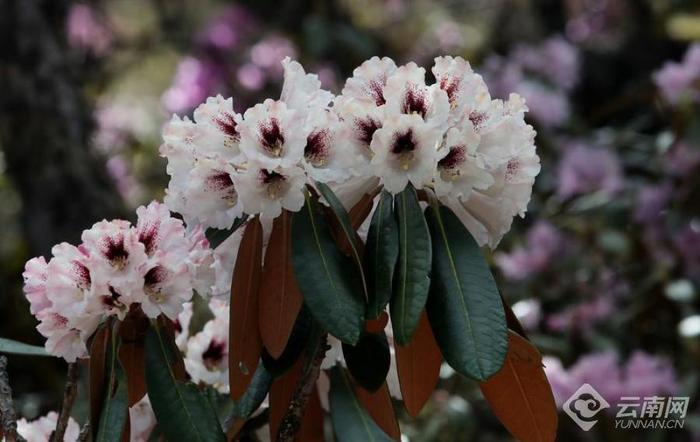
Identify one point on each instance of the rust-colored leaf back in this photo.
(418, 364)
(132, 332)
(360, 211)
(379, 406)
(281, 392)
(244, 336)
(96, 372)
(311, 429)
(520, 395)
(280, 299)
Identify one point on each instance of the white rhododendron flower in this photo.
(302, 91)
(206, 357)
(152, 266)
(462, 168)
(273, 134)
(369, 80)
(268, 191)
(220, 126)
(360, 119)
(407, 93)
(40, 430)
(405, 149)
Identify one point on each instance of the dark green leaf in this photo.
(183, 413)
(381, 255)
(346, 226)
(217, 236)
(253, 397)
(369, 360)
(20, 348)
(296, 344)
(464, 308)
(115, 407)
(327, 279)
(412, 276)
(351, 422)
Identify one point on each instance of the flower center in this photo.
(213, 355)
(82, 275)
(403, 147)
(152, 281)
(366, 128)
(115, 251)
(274, 183)
(112, 300)
(414, 102)
(317, 147)
(375, 88)
(478, 119)
(148, 236)
(449, 165)
(271, 137)
(450, 86)
(227, 124)
(220, 181)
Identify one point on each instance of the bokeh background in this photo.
(604, 271)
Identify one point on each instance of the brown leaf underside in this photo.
(418, 365)
(132, 332)
(244, 336)
(96, 373)
(311, 429)
(281, 392)
(280, 299)
(520, 395)
(379, 406)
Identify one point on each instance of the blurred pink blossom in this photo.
(120, 172)
(542, 243)
(87, 30)
(596, 22)
(555, 59)
(251, 77)
(651, 202)
(543, 74)
(586, 169)
(682, 159)
(269, 53)
(195, 80)
(678, 80)
(583, 316)
(228, 29)
(642, 375)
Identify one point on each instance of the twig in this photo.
(84, 435)
(7, 407)
(69, 393)
(295, 411)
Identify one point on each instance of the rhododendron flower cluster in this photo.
(153, 265)
(388, 126)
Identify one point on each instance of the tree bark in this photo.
(45, 127)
